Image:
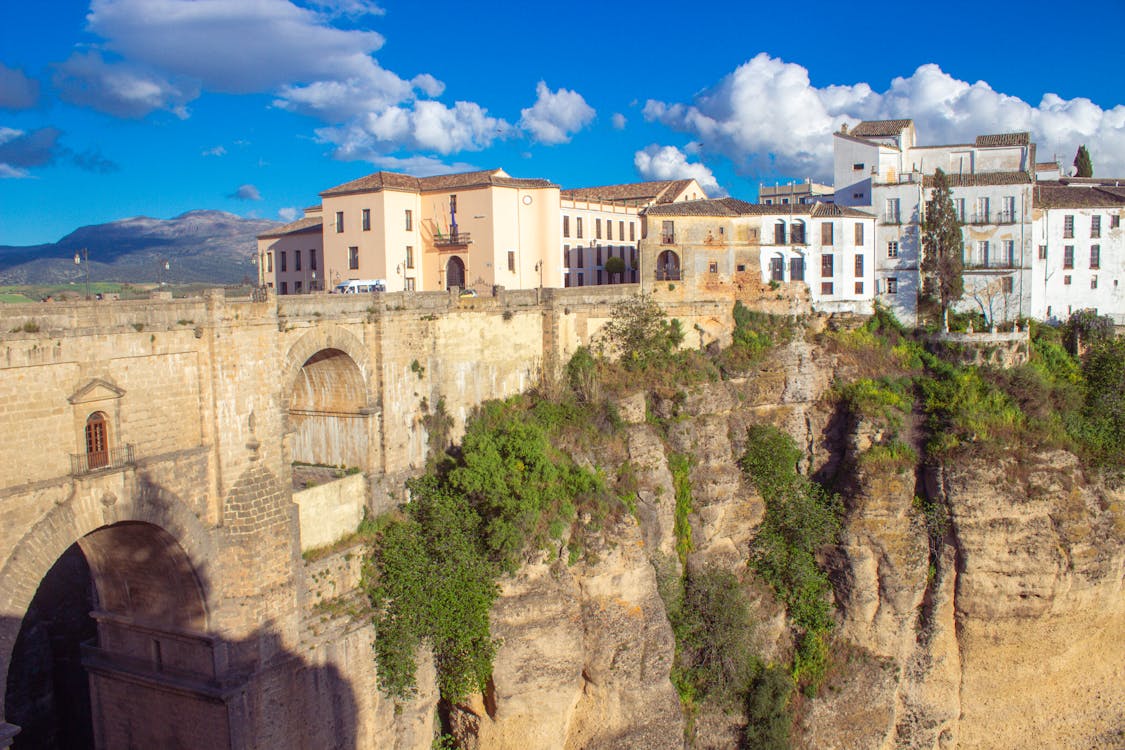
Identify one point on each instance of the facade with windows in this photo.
(795, 192)
(290, 258)
(878, 165)
(727, 243)
(1079, 259)
(600, 223)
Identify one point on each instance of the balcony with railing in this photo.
(1006, 217)
(453, 239)
(981, 217)
(107, 460)
(891, 217)
(670, 274)
(668, 238)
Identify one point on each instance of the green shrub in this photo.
(680, 466)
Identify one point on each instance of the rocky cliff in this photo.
(998, 622)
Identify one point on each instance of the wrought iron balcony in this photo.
(114, 458)
(981, 218)
(668, 275)
(1006, 217)
(456, 239)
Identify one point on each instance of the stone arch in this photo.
(320, 338)
(86, 514)
(455, 273)
(668, 266)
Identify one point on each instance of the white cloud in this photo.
(215, 151)
(8, 172)
(618, 120)
(289, 213)
(350, 8)
(556, 115)
(669, 163)
(17, 91)
(767, 116)
(121, 89)
(246, 193)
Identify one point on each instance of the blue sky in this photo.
(116, 108)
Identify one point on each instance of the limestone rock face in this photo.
(584, 659)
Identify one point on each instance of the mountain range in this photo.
(199, 246)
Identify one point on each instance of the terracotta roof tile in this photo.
(395, 181)
(653, 191)
(725, 207)
(1065, 196)
(876, 128)
(1003, 139)
(294, 227)
(976, 179)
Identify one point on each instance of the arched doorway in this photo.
(107, 621)
(328, 411)
(668, 266)
(455, 273)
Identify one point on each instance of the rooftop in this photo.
(407, 183)
(307, 224)
(1073, 196)
(1003, 139)
(730, 207)
(978, 179)
(653, 191)
(880, 128)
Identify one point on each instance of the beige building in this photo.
(470, 230)
(714, 245)
(599, 223)
(290, 257)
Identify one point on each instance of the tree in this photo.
(640, 334)
(614, 265)
(943, 247)
(1082, 163)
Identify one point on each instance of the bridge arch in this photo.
(143, 569)
(327, 397)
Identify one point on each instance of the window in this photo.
(859, 266)
(1008, 210)
(785, 201)
(408, 284)
(312, 258)
(667, 232)
(858, 233)
(1115, 221)
(296, 287)
(891, 214)
(97, 441)
(826, 262)
(741, 267)
(1068, 256)
(1068, 226)
(566, 279)
(1010, 252)
(598, 257)
(797, 233)
(713, 267)
(284, 288)
(982, 252)
(566, 226)
(365, 220)
(1006, 285)
(633, 233)
(1066, 280)
(982, 209)
(1095, 256)
(608, 229)
(409, 220)
(580, 252)
(566, 256)
(339, 221)
(892, 249)
(353, 258)
(1042, 252)
(284, 265)
(826, 233)
(296, 260)
(269, 262)
(1095, 227)
(512, 261)
(959, 209)
(597, 229)
(581, 278)
(410, 256)
(857, 196)
(621, 230)
(1093, 282)
(857, 167)
(826, 288)
(578, 227)
(796, 269)
(779, 233)
(859, 287)
(892, 285)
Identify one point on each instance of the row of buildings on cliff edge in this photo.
(1037, 244)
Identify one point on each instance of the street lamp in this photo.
(82, 255)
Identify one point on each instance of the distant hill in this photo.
(200, 246)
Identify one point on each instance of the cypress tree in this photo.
(943, 247)
(1082, 163)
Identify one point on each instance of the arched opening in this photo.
(455, 273)
(328, 412)
(97, 441)
(668, 266)
(101, 623)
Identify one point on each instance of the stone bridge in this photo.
(153, 591)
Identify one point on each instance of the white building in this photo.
(599, 223)
(878, 165)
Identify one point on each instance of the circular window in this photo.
(527, 200)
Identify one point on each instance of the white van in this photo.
(361, 286)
